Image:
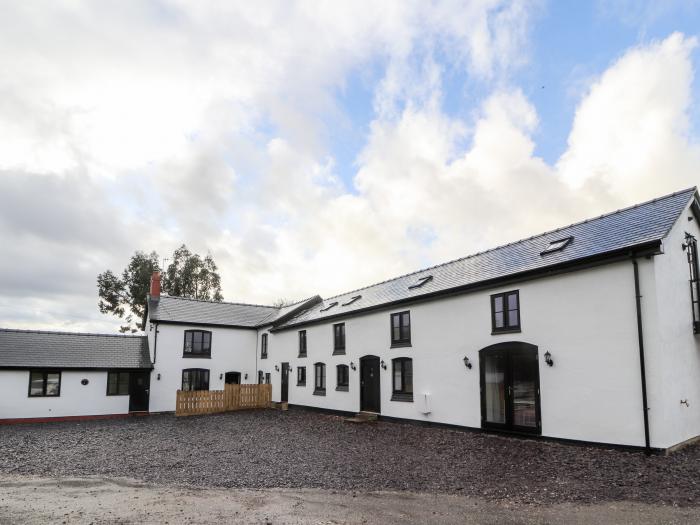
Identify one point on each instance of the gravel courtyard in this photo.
(305, 450)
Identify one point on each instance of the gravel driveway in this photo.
(303, 449)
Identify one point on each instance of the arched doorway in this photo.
(510, 387)
(370, 392)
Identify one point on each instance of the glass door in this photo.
(494, 389)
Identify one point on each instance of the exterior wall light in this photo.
(548, 358)
(352, 365)
(158, 377)
(84, 382)
(383, 364)
(467, 363)
(244, 377)
(221, 376)
(277, 368)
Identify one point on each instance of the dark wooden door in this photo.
(232, 378)
(139, 389)
(369, 384)
(284, 396)
(510, 388)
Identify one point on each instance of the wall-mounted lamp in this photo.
(84, 382)
(221, 376)
(277, 368)
(548, 358)
(150, 328)
(467, 363)
(158, 377)
(383, 364)
(352, 365)
(244, 377)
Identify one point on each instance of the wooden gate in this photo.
(232, 397)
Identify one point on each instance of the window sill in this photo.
(319, 392)
(401, 345)
(339, 352)
(301, 384)
(113, 395)
(341, 389)
(406, 398)
(196, 356)
(263, 357)
(300, 356)
(507, 331)
(40, 396)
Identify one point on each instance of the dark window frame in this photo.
(421, 281)
(301, 376)
(404, 336)
(557, 245)
(119, 373)
(507, 326)
(319, 390)
(342, 378)
(403, 393)
(339, 339)
(691, 247)
(45, 373)
(261, 377)
(268, 378)
(198, 380)
(263, 346)
(203, 354)
(302, 343)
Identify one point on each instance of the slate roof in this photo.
(614, 232)
(40, 349)
(183, 310)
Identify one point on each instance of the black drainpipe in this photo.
(155, 343)
(640, 335)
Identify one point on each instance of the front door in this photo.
(284, 396)
(369, 384)
(232, 378)
(139, 388)
(510, 388)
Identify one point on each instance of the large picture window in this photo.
(505, 312)
(197, 343)
(342, 376)
(263, 347)
(402, 379)
(401, 329)
(339, 338)
(195, 379)
(44, 383)
(117, 383)
(320, 379)
(302, 343)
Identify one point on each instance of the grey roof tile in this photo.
(41, 349)
(184, 310)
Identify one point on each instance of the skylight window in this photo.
(329, 306)
(352, 300)
(421, 282)
(557, 246)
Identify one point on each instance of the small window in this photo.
(352, 300)
(302, 343)
(401, 329)
(505, 312)
(557, 246)
(195, 379)
(44, 383)
(402, 379)
(319, 379)
(261, 377)
(268, 378)
(263, 347)
(197, 343)
(117, 383)
(421, 282)
(329, 306)
(339, 339)
(691, 247)
(301, 376)
(342, 376)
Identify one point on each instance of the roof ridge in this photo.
(218, 302)
(32, 331)
(620, 210)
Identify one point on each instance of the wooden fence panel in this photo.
(233, 397)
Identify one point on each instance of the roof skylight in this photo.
(421, 282)
(352, 300)
(558, 245)
(329, 306)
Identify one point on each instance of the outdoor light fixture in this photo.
(383, 364)
(84, 382)
(352, 365)
(158, 377)
(277, 368)
(467, 363)
(221, 376)
(548, 358)
(244, 377)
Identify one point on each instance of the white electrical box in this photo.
(425, 405)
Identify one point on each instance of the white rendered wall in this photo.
(75, 399)
(586, 319)
(232, 350)
(672, 352)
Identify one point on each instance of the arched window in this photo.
(402, 379)
(195, 379)
(319, 379)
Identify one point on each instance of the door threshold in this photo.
(139, 413)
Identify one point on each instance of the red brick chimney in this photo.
(155, 286)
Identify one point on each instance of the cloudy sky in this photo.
(314, 147)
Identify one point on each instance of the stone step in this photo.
(362, 417)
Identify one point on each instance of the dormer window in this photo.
(421, 282)
(352, 300)
(329, 306)
(557, 246)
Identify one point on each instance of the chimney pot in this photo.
(155, 286)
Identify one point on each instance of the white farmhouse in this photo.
(585, 333)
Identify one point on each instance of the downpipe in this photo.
(642, 369)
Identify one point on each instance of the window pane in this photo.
(36, 383)
(53, 382)
(397, 376)
(405, 319)
(396, 333)
(206, 342)
(188, 342)
(498, 303)
(405, 333)
(395, 320)
(112, 383)
(205, 380)
(499, 320)
(123, 383)
(408, 376)
(512, 301)
(513, 318)
(197, 342)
